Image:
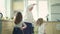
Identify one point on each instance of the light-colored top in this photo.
(29, 15)
(41, 28)
(20, 24)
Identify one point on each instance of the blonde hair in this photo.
(39, 21)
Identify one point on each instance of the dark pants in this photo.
(29, 29)
(17, 31)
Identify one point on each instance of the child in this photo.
(18, 29)
(40, 27)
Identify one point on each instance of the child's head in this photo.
(18, 18)
(39, 21)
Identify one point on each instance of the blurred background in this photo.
(49, 10)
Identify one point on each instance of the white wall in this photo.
(54, 10)
(54, 1)
(8, 8)
(5, 8)
(2, 7)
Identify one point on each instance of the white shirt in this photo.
(29, 15)
(20, 24)
(41, 28)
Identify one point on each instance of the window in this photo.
(43, 9)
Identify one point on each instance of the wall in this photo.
(54, 10)
(2, 7)
(5, 8)
(8, 7)
(17, 5)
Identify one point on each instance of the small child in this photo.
(40, 27)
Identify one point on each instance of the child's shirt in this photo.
(41, 29)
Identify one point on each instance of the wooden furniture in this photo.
(51, 28)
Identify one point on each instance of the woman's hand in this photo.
(22, 28)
